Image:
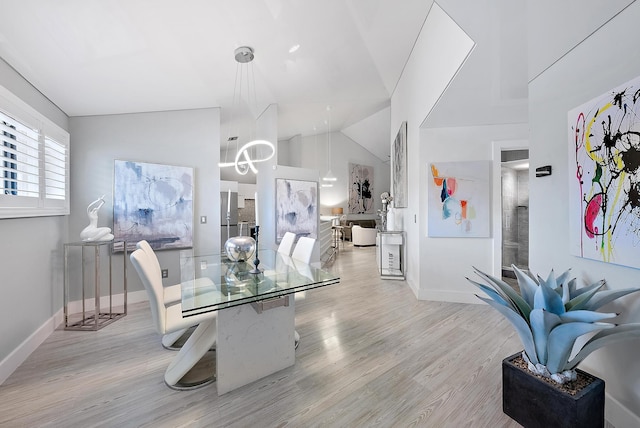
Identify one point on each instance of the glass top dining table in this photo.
(213, 282)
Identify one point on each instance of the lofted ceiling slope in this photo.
(93, 57)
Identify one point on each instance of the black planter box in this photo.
(533, 402)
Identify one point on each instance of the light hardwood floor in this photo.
(370, 355)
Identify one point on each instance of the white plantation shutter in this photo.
(55, 169)
(34, 162)
(20, 156)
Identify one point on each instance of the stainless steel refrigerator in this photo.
(233, 216)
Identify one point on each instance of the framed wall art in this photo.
(153, 202)
(459, 199)
(296, 208)
(360, 189)
(604, 176)
(399, 189)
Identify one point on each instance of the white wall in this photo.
(266, 183)
(182, 138)
(604, 60)
(31, 262)
(439, 51)
(450, 260)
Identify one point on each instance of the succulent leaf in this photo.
(586, 316)
(551, 280)
(575, 292)
(561, 340)
(607, 296)
(527, 285)
(532, 276)
(619, 333)
(562, 279)
(493, 294)
(546, 298)
(566, 294)
(507, 290)
(521, 326)
(580, 301)
(542, 322)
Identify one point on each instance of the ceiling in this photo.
(93, 57)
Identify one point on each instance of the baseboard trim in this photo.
(449, 296)
(19, 355)
(117, 301)
(618, 415)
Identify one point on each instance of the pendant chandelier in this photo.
(246, 155)
(329, 178)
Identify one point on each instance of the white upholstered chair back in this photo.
(152, 280)
(144, 246)
(286, 244)
(304, 249)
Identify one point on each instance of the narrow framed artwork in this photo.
(153, 202)
(604, 176)
(458, 199)
(296, 208)
(360, 189)
(400, 168)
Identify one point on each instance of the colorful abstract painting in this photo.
(153, 202)
(360, 189)
(604, 176)
(399, 191)
(296, 208)
(458, 199)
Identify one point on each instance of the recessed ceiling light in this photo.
(294, 48)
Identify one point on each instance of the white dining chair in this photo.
(168, 319)
(171, 294)
(286, 243)
(303, 250)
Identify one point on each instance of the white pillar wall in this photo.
(420, 86)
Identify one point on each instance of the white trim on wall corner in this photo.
(450, 296)
(618, 415)
(19, 355)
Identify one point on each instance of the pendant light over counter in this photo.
(329, 178)
(246, 155)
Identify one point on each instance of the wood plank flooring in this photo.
(370, 355)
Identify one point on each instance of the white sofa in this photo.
(363, 236)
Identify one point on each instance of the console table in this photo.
(95, 316)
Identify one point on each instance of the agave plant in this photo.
(549, 315)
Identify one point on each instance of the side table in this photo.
(95, 318)
(390, 254)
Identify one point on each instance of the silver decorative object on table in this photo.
(240, 248)
(386, 200)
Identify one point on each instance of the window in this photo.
(34, 162)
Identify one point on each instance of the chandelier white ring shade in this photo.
(243, 166)
(243, 161)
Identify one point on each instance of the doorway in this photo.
(515, 210)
